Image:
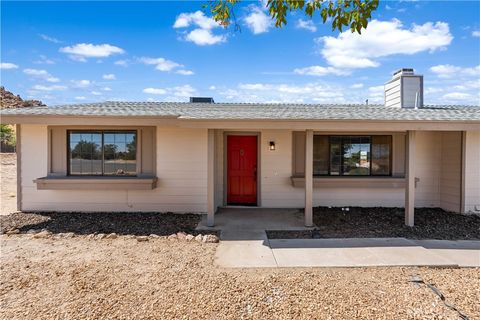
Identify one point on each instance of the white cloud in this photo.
(204, 37)
(457, 96)
(154, 91)
(107, 89)
(184, 91)
(258, 21)
(81, 51)
(8, 65)
(44, 60)
(357, 86)
(476, 33)
(198, 18)
(80, 98)
(109, 76)
(212, 88)
(42, 74)
(39, 87)
(315, 92)
(96, 93)
(81, 83)
(319, 71)
(185, 72)
(306, 24)
(381, 39)
(161, 64)
(122, 63)
(448, 71)
(49, 39)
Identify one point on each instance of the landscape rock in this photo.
(91, 236)
(42, 235)
(210, 238)
(172, 237)
(199, 238)
(69, 235)
(181, 235)
(100, 236)
(142, 238)
(154, 236)
(111, 236)
(13, 231)
(33, 231)
(189, 237)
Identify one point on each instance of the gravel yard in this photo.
(430, 223)
(8, 176)
(69, 274)
(78, 277)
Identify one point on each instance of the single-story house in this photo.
(201, 155)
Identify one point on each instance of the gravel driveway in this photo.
(81, 278)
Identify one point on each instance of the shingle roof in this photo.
(247, 111)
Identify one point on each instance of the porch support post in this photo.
(211, 178)
(309, 178)
(410, 180)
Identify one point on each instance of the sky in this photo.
(82, 52)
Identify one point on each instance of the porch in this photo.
(425, 169)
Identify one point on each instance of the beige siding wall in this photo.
(472, 171)
(181, 170)
(451, 171)
(181, 163)
(428, 169)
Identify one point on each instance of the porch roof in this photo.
(250, 111)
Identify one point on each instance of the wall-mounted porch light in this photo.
(272, 145)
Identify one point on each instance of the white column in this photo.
(410, 180)
(308, 178)
(211, 178)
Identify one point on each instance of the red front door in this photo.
(242, 170)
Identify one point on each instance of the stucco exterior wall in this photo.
(451, 172)
(181, 170)
(472, 172)
(181, 167)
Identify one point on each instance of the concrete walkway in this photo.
(244, 244)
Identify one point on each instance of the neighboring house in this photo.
(196, 157)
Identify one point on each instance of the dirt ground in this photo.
(8, 177)
(79, 277)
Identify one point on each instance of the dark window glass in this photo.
(381, 146)
(356, 156)
(85, 153)
(351, 155)
(102, 153)
(320, 155)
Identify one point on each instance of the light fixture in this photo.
(272, 145)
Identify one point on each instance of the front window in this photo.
(96, 153)
(352, 155)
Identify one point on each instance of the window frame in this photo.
(342, 157)
(102, 132)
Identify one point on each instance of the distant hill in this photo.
(9, 100)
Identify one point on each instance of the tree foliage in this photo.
(353, 14)
(7, 135)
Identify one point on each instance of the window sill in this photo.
(96, 183)
(348, 182)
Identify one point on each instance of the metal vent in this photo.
(201, 100)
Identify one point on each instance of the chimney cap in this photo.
(201, 100)
(404, 71)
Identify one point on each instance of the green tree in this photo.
(353, 14)
(7, 135)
